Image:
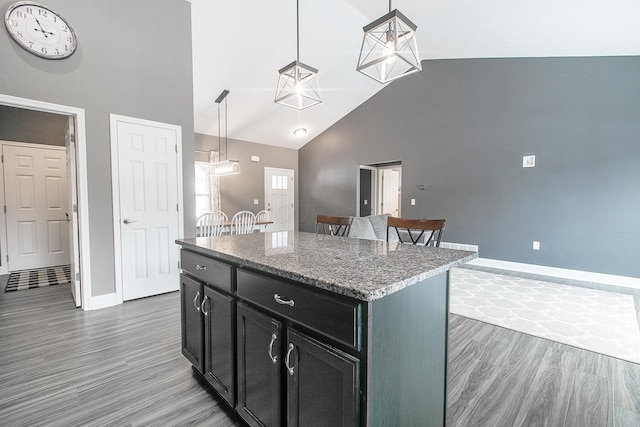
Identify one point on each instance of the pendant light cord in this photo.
(298, 30)
(219, 136)
(226, 139)
(389, 5)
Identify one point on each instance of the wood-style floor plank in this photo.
(122, 366)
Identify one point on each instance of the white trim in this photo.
(82, 183)
(115, 190)
(564, 273)
(103, 301)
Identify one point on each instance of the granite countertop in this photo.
(363, 269)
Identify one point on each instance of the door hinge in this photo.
(7, 257)
(74, 207)
(72, 138)
(5, 208)
(78, 277)
(177, 207)
(176, 147)
(2, 158)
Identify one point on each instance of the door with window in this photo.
(278, 196)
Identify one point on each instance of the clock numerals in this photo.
(40, 30)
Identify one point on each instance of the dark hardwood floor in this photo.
(121, 366)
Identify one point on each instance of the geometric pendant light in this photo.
(298, 83)
(389, 48)
(226, 166)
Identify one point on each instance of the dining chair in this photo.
(412, 230)
(211, 224)
(262, 216)
(243, 222)
(334, 225)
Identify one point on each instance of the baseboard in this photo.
(586, 276)
(102, 301)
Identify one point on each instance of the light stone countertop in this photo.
(363, 269)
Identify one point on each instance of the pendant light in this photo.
(298, 83)
(389, 48)
(226, 166)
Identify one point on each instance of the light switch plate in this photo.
(413, 202)
(528, 161)
(255, 201)
(536, 245)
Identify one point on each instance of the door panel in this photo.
(36, 199)
(219, 338)
(149, 217)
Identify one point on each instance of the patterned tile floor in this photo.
(595, 320)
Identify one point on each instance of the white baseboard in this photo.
(586, 276)
(102, 301)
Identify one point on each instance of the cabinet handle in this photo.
(287, 360)
(279, 300)
(195, 302)
(274, 359)
(204, 301)
(201, 267)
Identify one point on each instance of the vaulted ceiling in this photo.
(241, 45)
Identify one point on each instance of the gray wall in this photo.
(461, 127)
(22, 125)
(239, 191)
(124, 65)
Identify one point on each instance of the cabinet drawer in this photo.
(208, 270)
(334, 317)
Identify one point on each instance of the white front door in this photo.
(36, 202)
(147, 193)
(390, 188)
(278, 196)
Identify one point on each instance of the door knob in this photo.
(128, 221)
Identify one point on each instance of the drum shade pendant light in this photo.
(389, 48)
(226, 166)
(298, 83)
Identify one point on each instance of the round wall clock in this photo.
(40, 30)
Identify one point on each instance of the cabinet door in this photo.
(259, 367)
(323, 384)
(218, 312)
(191, 295)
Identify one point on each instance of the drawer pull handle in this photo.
(287, 360)
(274, 359)
(204, 302)
(201, 267)
(281, 301)
(195, 302)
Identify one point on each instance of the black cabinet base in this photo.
(223, 404)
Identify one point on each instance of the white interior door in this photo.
(278, 196)
(147, 196)
(36, 202)
(389, 186)
(72, 210)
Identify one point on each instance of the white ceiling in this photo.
(241, 45)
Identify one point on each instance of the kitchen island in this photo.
(300, 329)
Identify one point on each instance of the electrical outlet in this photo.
(536, 245)
(255, 201)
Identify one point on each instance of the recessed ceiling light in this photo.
(300, 132)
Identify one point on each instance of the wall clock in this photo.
(39, 30)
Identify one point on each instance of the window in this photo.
(279, 182)
(203, 189)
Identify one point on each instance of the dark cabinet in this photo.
(208, 322)
(259, 367)
(322, 383)
(191, 295)
(218, 315)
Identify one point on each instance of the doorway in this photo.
(278, 198)
(379, 189)
(75, 164)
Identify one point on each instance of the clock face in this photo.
(40, 30)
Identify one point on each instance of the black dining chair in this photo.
(412, 230)
(334, 225)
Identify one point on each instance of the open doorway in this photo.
(63, 144)
(379, 189)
